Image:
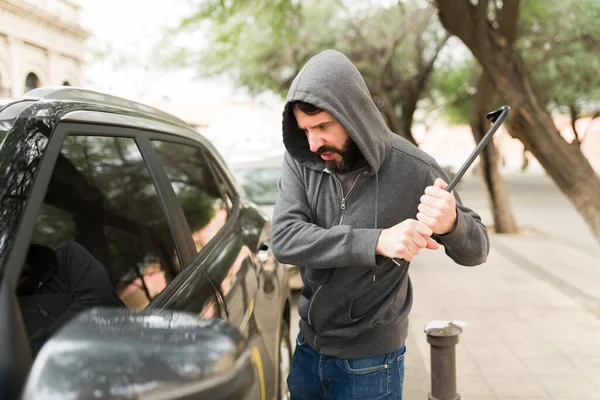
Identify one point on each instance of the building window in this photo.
(31, 82)
(66, 83)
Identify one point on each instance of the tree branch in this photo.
(358, 30)
(574, 117)
(420, 21)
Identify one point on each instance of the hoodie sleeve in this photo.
(468, 244)
(298, 241)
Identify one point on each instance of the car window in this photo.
(199, 193)
(101, 196)
(260, 184)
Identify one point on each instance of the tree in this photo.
(560, 41)
(533, 124)
(463, 98)
(483, 100)
(394, 46)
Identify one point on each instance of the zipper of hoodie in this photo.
(344, 197)
(42, 311)
(343, 208)
(311, 303)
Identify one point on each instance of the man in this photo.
(58, 284)
(356, 205)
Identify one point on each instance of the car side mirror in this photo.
(160, 354)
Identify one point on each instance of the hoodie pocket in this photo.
(385, 299)
(353, 316)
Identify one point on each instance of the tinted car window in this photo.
(198, 192)
(102, 197)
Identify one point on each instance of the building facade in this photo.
(41, 44)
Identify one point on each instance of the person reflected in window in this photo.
(58, 284)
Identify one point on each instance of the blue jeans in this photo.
(314, 376)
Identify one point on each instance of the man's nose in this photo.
(315, 142)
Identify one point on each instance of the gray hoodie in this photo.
(355, 304)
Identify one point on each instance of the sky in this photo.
(126, 32)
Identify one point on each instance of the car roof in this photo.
(5, 102)
(73, 104)
(70, 93)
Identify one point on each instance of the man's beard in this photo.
(350, 157)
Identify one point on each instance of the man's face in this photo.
(329, 139)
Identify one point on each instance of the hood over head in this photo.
(41, 265)
(331, 82)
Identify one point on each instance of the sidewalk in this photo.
(533, 315)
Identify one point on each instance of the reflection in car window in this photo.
(2, 137)
(8, 116)
(102, 197)
(260, 184)
(199, 194)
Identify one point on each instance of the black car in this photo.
(149, 203)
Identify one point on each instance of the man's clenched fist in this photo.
(405, 240)
(438, 208)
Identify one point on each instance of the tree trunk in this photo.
(392, 116)
(408, 113)
(504, 221)
(565, 163)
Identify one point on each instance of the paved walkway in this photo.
(533, 310)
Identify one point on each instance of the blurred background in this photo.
(434, 68)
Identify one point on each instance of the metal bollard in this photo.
(443, 337)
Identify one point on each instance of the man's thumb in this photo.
(432, 244)
(439, 183)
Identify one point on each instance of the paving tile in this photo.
(572, 386)
(522, 387)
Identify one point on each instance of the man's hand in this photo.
(405, 240)
(438, 208)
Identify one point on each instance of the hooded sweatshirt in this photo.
(57, 285)
(355, 304)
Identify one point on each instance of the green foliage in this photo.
(560, 42)
(263, 51)
(199, 208)
(261, 45)
(452, 88)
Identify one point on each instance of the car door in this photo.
(226, 246)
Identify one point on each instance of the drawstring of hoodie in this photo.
(376, 200)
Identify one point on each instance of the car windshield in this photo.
(260, 184)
